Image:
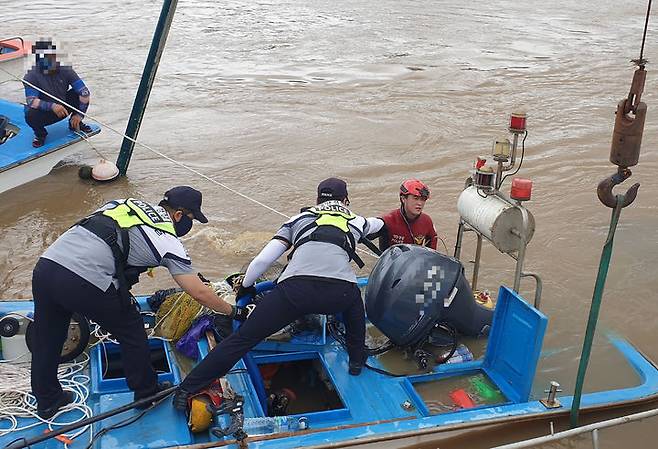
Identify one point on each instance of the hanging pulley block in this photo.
(629, 125)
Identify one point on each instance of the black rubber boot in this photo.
(66, 398)
(161, 387)
(355, 368)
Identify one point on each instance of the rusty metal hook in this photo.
(604, 190)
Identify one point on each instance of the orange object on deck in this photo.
(62, 438)
(461, 398)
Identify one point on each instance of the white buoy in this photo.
(104, 171)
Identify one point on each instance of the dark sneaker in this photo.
(83, 127)
(38, 141)
(161, 387)
(355, 368)
(66, 398)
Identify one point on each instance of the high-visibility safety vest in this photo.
(115, 221)
(332, 225)
(132, 212)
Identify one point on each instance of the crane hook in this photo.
(604, 190)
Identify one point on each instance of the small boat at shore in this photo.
(13, 48)
(21, 163)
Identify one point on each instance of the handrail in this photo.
(594, 427)
(538, 286)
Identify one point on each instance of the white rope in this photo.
(164, 156)
(17, 401)
(84, 137)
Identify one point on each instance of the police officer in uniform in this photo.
(90, 269)
(317, 280)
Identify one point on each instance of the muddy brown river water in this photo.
(269, 97)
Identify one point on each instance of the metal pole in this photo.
(523, 242)
(580, 430)
(606, 254)
(595, 438)
(476, 266)
(538, 286)
(458, 243)
(499, 175)
(146, 83)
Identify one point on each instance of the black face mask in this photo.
(183, 226)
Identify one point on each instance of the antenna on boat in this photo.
(624, 153)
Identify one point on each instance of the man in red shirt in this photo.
(408, 223)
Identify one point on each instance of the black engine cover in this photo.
(411, 288)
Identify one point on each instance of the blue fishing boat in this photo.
(338, 408)
(20, 163)
(294, 390)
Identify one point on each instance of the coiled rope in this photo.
(17, 401)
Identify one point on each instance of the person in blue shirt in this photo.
(59, 81)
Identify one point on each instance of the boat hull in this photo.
(37, 167)
(20, 162)
(13, 48)
(372, 410)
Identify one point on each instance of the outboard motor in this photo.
(413, 288)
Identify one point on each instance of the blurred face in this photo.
(412, 205)
(48, 62)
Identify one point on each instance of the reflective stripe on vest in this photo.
(134, 212)
(333, 213)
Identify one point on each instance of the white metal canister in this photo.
(496, 219)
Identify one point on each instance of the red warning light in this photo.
(517, 122)
(521, 189)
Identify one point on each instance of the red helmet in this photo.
(414, 187)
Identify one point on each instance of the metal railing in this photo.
(593, 428)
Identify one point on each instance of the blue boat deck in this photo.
(370, 404)
(18, 150)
